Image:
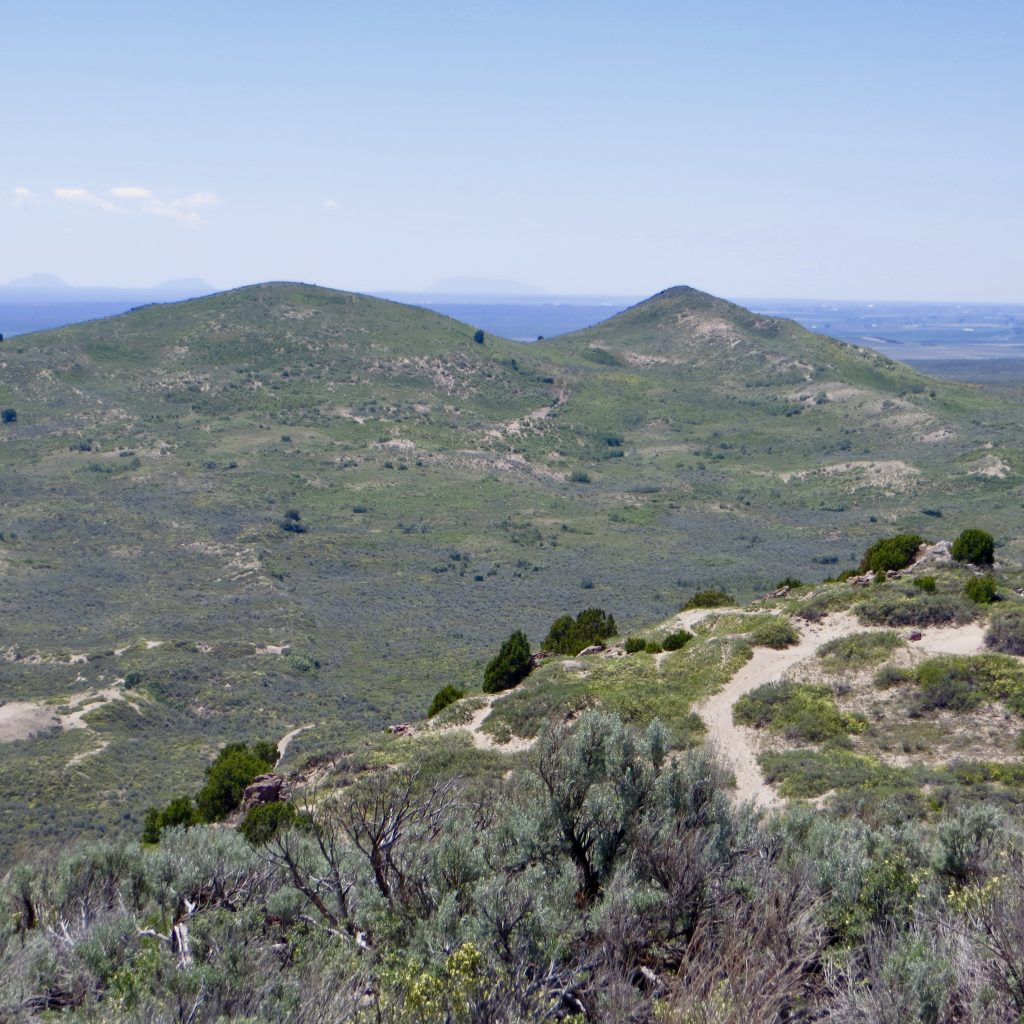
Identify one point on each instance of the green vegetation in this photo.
(674, 641)
(858, 651)
(570, 636)
(635, 644)
(440, 514)
(599, 854)
(962, 683)
(632, 688)
(510, 666)
(234, 767)
(799, 711)
(974, 546)
(981, 589)
(712, 598)
(446, 695)
(776, 632)
(1006, 632)
(891, 553)
(264, 821)
(925, 583)
(901, 608)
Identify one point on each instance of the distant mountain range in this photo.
(48, 288)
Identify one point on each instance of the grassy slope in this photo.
(155, 454)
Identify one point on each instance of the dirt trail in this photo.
(482, 740)
(735, 742)
(282, 743)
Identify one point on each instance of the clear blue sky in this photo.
(808, 149)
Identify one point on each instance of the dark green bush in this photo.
(777, 633)
(1006, 632)
(789, 581)
(653, 647)
(891, 553)
(446, 695)
(262, 822)
(925, 583)
(180, 811)
(974, 546)
(266, 750)
(510, 666)
(711, 598)
(232, 770)
(674, 641)
(570, 636)
(579, 476)
(635, 644)
(981, 589)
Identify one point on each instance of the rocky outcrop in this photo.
(264, 789)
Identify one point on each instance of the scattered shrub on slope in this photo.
(570, 636)
(777, 633)
(264, 821)
(1006, 632)
(800, 711)
(891, 553)
(446, 695)
(974, 546)
(849, 653)
(713, 598)
(897, 609)
(963, 683)
(674, 641)
(981, 589)
(510, 666)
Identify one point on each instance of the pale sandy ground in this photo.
(735, 742)
(481, 740)
(21, 719)
(282, 743)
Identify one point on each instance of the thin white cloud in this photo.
(86, 198)
(184, 210)
(330, 204)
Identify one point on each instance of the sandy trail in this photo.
(481, 740)
(282, 743)
(735, 742)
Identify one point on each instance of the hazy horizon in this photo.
(822, 151)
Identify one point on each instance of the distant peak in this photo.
(38, 281)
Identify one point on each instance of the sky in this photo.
(869, 150)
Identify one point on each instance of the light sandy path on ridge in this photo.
(734, 742)
(282, 743)
(482, 740)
